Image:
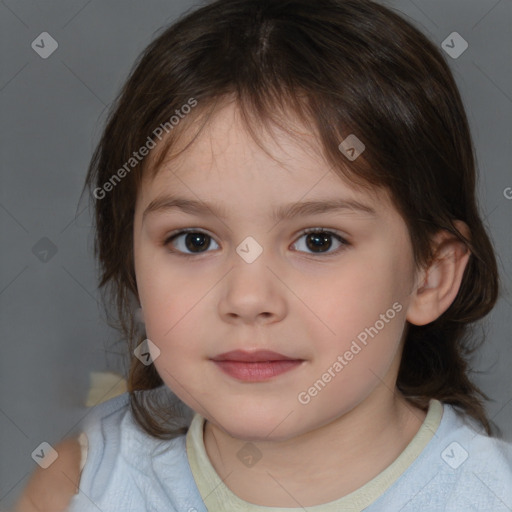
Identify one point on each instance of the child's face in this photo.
(305, 297)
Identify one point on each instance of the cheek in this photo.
(363, 302)
(167, 311)
(357, 295)
(173, 302)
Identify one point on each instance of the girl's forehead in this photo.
(227, 129)
(228, 143)
(260, 189)
(229, 148)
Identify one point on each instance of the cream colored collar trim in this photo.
(217, 496)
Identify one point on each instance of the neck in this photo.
(321, 465)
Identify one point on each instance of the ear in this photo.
(439, 283)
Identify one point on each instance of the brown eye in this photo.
(320, 241)
(190, 242)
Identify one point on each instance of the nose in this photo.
(251, 293)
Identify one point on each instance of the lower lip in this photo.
(258, 371)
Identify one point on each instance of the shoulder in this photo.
(54, 487)
(125, 464)
(482, 471)
(469, 442)
(459, 470)
(478, 467)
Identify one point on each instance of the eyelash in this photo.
(173, 236)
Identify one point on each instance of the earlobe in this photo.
(439, 283)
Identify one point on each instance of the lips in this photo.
(252, 357)
(256, 366)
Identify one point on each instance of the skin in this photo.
(292, 300)
(51, 489)
(303, 303)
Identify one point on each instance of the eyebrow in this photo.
(193, 207)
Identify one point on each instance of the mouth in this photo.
(256, 366)
(253, 357)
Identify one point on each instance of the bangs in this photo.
(261, 115)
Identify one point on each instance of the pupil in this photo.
(195, 241)
(317, 240)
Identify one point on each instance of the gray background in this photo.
(52, 326)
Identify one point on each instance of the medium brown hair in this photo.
(343, 67)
